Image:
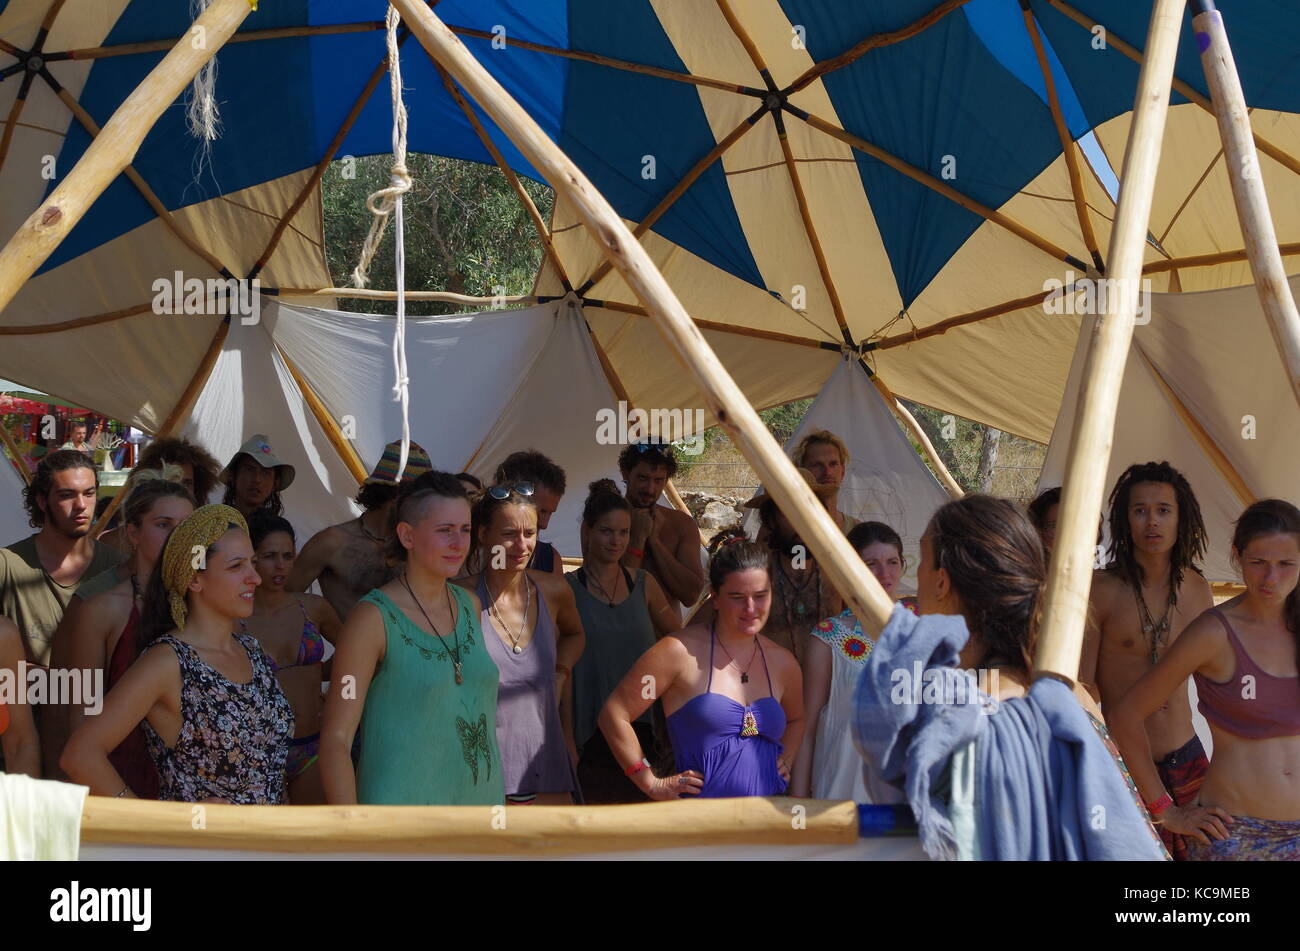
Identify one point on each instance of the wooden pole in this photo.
(1203, 439)
(112, 151)
(1068, 148)
(772, 335)
(1208, 260)
(532, 830)
(1248, 187)
(934, 184)
(342, 445)
(23, 330)
(1183, 89)
(1070, 576)
(945, 477)
(249, 36)
(445, 297)
(729, 406)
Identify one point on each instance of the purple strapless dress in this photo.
(733, 746)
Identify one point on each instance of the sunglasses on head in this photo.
(501, 492)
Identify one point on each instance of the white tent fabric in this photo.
(1214, 351)
(885, 481)
(481, 387)
(13, 516)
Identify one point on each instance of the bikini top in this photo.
(312, 647)
(1269, 708)
(710, 718)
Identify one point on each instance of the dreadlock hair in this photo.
(1272, 517)
(603, 496)
(653, 454)
(485, 508)
(375, 495)
(730, 551)
(995, 560)
(61, 460)
(181, 452)
(1189, 547)
(412, 501)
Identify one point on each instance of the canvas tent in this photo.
(904, 187)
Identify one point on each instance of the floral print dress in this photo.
(234, 738)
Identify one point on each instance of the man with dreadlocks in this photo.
(1140, 603)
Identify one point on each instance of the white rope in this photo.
(202, 115)
(385, 202)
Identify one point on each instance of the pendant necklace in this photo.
(744, 673)
(495, 612)
(601, 588)
(453, 653)
(1156, 631)
(364, 531)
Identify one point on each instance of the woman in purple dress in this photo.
(733, 698)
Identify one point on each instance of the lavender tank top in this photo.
(534, 758)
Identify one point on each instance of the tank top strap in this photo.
(1243, 659)
(712, 640)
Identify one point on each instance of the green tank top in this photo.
(425, 739)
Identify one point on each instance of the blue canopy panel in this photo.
(939, 93)
(1106, 79)
(282, 102)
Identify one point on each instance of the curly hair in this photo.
(529, 465)
(181, 452)
(61, 460)
(1190, 545)
(603, 496)
(653, 454)
(824, 436)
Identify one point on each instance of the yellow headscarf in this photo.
(186, 548)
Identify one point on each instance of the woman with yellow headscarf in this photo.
(215, 720)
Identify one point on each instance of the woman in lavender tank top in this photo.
(733, 697)
(534, 635)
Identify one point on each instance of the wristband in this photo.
(636, 552)
(637, 767)
(1160, 805)
(122, 794)
(563, 669)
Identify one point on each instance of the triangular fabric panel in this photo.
(885, 481)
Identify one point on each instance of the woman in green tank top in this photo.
(412, 672)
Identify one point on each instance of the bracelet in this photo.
(636, 552)
(122, 794)
(1160, 805)
(637, 767)
(563, 669)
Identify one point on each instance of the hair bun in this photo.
(603, 485)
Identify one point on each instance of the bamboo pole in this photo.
(111, 152)
(599, 60)
(280, 33)
(445, 297)
(1248, 187)
(8, 439)
(327, 422)
(1274, 152)
(729, 406)
(331, 150)
(470, 830)
(687, 180)
(1207, 260)
(943, 326)
(932, 183)
(1068, 147)
(950, 484)
(543, 233)
(24, 330)
(1203, 439)
(715, 326)
(817, 70)
(1070, 576)
(92, 127)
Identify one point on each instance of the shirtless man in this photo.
(824, 455)
(663, 541)
(1139, 605)
(350, 559)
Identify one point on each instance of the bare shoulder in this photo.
(469, 583)
(553, 586)
(1105, 585)
(157, 659)
(1195, 589)
(1206, 628)
(679, 520)
(777, 656)
(328, 540)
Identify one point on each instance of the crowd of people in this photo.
(451, 659)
